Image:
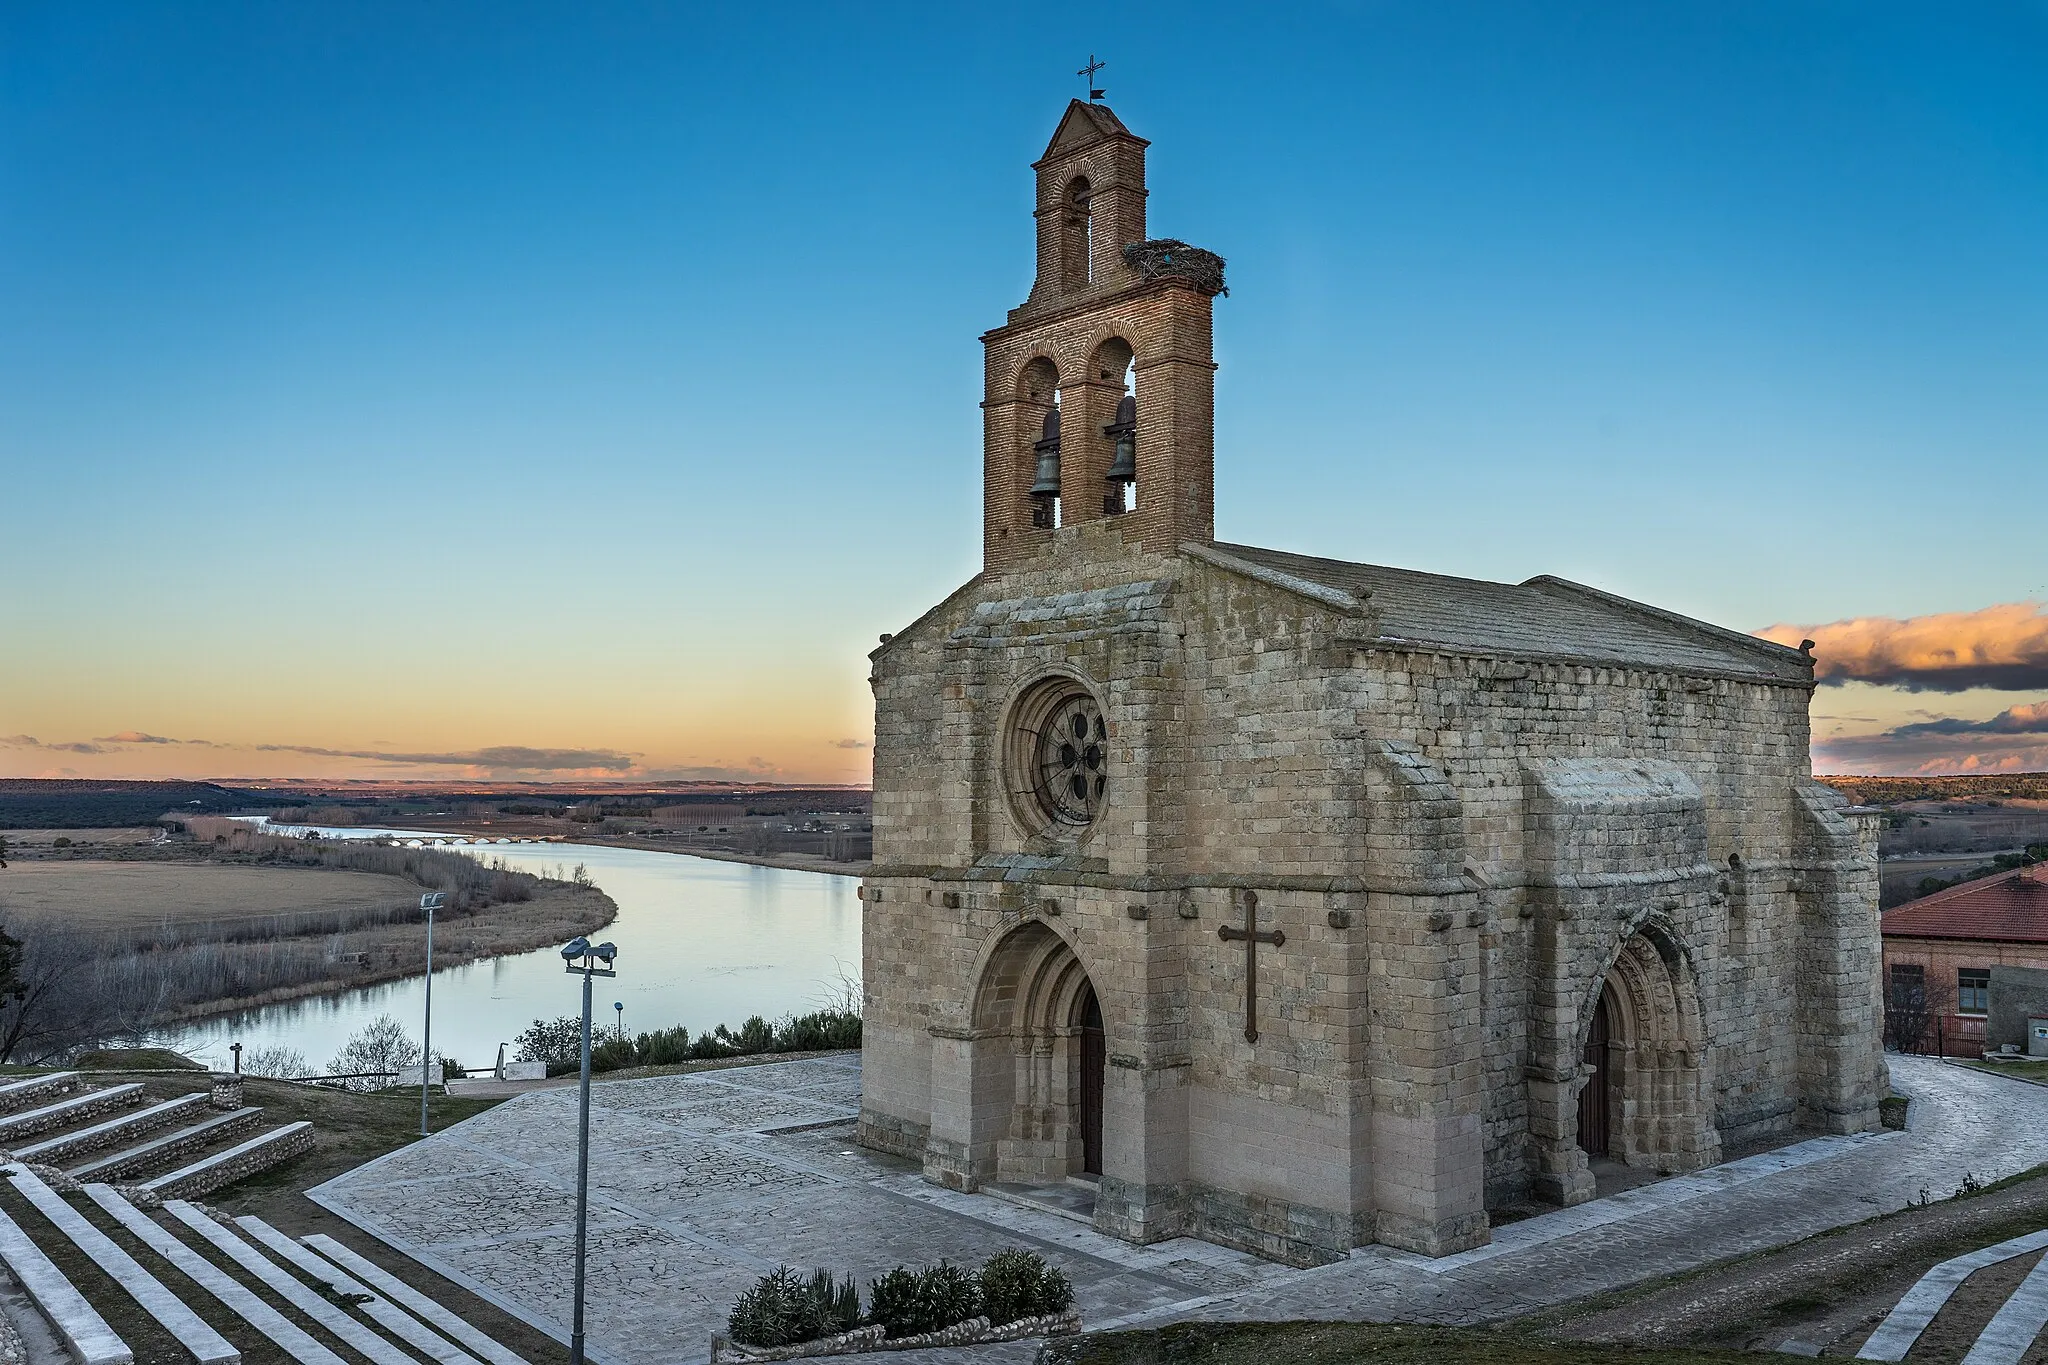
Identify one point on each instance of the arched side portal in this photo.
(1638, 1089)
(1659, 1110)
(1039, 1056)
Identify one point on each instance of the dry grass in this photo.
(115, 896)
(42, 841)
(1343, 1343)
(122, 945)
(555, 915)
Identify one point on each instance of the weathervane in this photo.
(1087, 73)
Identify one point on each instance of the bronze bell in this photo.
(1047, 484)
(1124, 469)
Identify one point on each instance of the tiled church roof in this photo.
(1547, 617)
(2011, 907)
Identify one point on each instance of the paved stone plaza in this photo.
(699, 1183)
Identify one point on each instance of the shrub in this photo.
(556, 1042)
(838, 1302)
(894, 1303)
(551, 1040)
(374, 1054)
(284, 1062)
(767, 1314)
(612, 1054)
(820, 1031)
(754, 1036)
(951, 1295)
(907, 1303)
(783, 1308)
(1019, 1284)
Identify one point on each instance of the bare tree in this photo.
(58, 1000)
(1914, 1007)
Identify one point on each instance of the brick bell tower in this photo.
(1057, 451)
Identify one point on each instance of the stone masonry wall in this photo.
(1376, 800)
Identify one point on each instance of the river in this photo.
(701, 942)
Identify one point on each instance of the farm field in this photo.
(97, 896)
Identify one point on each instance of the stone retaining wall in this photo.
(295, 1140)
(73, 1145)
(29, 1125)
(150, 1157)
(43, 1091)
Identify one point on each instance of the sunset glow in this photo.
(381, 401)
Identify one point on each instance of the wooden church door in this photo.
(1593, 1098)
(1094, 1055)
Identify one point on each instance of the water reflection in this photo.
(701, 942)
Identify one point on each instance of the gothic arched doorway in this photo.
(1594, 1096)
(1039, 1058)
(1622, 1070)
(1645, 1098)
(1094, 1054)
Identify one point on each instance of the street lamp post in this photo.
(619, 1017)
(430, 902)
(580, 955)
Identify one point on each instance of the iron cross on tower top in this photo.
(1087, 73)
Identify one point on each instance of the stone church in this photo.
(1298, 904)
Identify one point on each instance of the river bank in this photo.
(550, 919)
(484, 831)
(125, 936)
(702, 941)
(788, 862)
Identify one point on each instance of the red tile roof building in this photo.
(1950, 941)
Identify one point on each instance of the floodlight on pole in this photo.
(580, 956)
(430, 902)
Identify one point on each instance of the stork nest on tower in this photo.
(1164, 257)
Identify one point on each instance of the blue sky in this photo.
(604, 379)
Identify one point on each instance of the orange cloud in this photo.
(2014, 740)
(2003, 647)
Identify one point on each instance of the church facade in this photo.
(1299, 904)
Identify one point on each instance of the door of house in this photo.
(1094, 1055)
(1593, 1098)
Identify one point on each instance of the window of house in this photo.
(1973, 990)
(1909, 984)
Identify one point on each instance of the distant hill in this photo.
(52, 803)
(1885, 791)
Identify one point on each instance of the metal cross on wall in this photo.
(1252, 938)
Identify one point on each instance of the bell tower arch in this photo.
(1106, 302)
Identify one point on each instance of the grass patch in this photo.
(2025, 1071)
(1862, 1254)
(135, 1059)
(1341, 1343)
(1891, 1111)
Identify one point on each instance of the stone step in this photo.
(1930, 1294)
(83, 1330)
(259, 1153)
(289, 1287)
(290, 1338)
(397, 1290)
(207, 1346)
(17, 1093)
(170, 1147)
(379, 1310)
(50, 1151)
(2020, 1319)
(77, 1109)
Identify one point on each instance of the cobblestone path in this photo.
(699, 1183)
